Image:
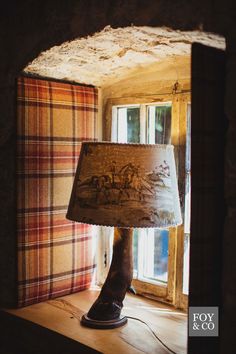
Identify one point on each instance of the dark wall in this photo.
(31, 26)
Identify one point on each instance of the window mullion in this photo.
(151, 125)
(143, 124)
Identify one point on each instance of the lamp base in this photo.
(106, 311)
(89, 322)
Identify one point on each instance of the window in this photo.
(146, 124)
(149, 124)
(126, 124)
(160, 255)
(159, 124)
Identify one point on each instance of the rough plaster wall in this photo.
(112, 54)
(154, 79)
(31, 26)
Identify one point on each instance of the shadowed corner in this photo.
(23, 336)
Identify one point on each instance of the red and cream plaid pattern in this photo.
(54, 254)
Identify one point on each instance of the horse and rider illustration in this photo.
(124, 184)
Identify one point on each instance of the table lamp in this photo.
(126, 186)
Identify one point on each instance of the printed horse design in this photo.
(122, 185)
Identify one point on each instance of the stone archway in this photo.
(113, 54)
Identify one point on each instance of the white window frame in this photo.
(139, 277)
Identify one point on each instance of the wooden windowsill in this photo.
(62, 316)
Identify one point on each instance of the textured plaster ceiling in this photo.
(113, 54)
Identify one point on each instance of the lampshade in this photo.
(125, 185)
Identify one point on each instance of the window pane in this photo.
(159, 124)
(156, 255)
(128, 125)
(133, 125)
(158, 132)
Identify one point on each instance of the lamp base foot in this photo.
(89, 322)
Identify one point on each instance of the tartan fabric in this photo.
(54, 254)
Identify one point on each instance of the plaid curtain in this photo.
(54, 254)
